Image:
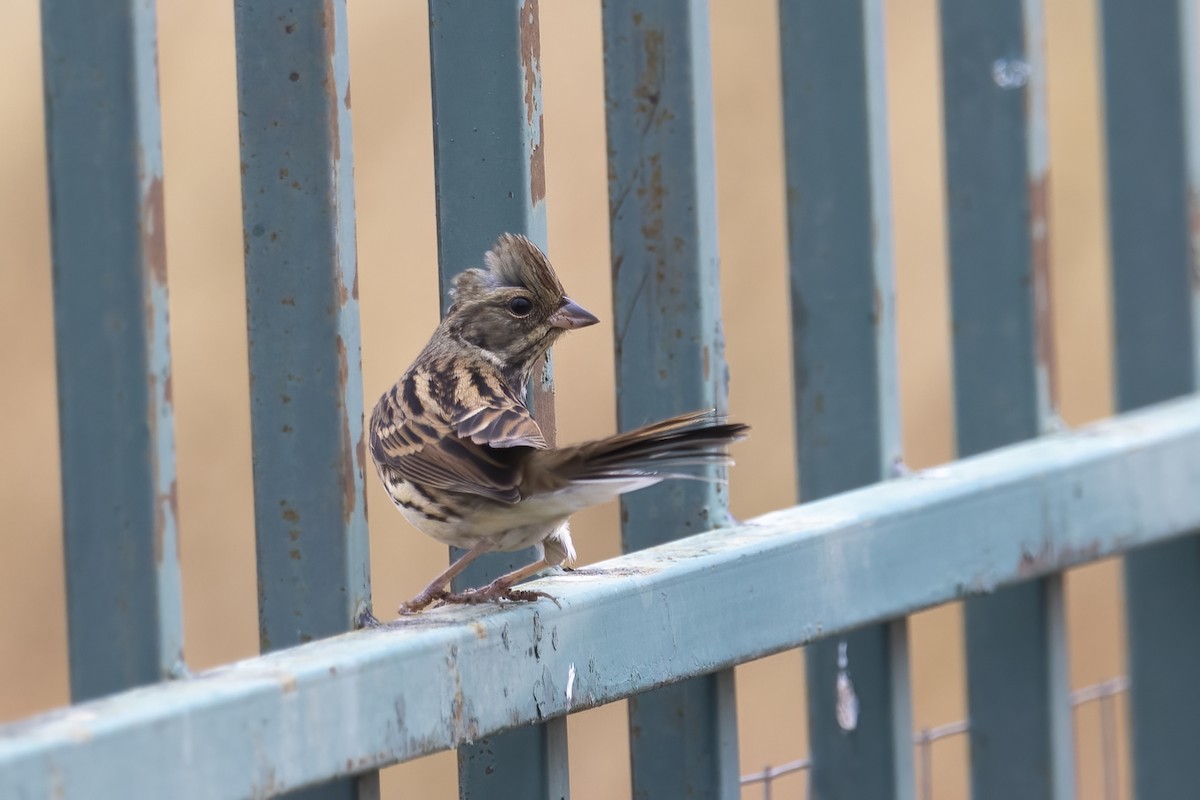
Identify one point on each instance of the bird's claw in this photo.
(493, 593)
(422, 601)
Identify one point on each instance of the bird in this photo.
(461, 456)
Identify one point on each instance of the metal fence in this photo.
(659, 625)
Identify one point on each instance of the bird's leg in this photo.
(436, 590)
(502, 587)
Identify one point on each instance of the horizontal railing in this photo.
(687, 608)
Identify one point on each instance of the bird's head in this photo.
(516, 308)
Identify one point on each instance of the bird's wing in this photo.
(509, 425)
(470, 448)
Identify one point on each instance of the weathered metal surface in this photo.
(667, 336)
(489, 153)
(997, 182)
(659, 615)
(303, 320)
(1150, 73)
(844, 355)
(103, 140)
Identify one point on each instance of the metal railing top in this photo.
(627, 625)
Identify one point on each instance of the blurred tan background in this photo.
(396, 235)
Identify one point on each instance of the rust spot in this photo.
(1039, 238)
(329, 24)
(704, 357)
(346, 97)
(354, 287)
(154, 243)
(288, 301)
(290, 515)
(479, 629)
(352, 463)
(648, 90)
(531, 55)
(537, 165)
(169, 389)
(170, 499)
(294, 554)
(653, 195)
(287, 682)
(293, 77)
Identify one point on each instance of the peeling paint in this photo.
(154, 243)
(329, 25)
(535, 125)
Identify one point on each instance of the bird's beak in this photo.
(570, 315)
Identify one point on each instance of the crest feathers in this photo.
(516, 261)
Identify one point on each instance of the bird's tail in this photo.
(664, 449)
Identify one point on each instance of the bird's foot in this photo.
(422, 601)
(498, 592)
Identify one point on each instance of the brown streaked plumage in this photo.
(463, 460)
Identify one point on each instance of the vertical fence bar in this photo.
(103, 140)
(489, 155)
(668, 339)
(303, 322)
(997, 173)
(844, 352)
(1152, 115)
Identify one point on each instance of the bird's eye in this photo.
(520, 306)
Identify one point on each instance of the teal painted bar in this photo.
(489, 153)
(844, 358)
(997, 169)
(659, 615)
(116, 422)
(668, 339)
(1150, 67)
(303, 326)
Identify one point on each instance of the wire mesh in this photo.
(1103, 693)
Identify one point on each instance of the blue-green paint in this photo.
(303, 323)
(104, 148)
(1150, 73)
(642, 620)
(844, 351)
(994, 78)
(489, 158)
(667, 333)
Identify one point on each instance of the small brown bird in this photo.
(463, 460)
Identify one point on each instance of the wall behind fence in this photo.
(394, 179)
